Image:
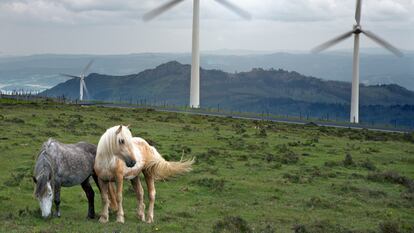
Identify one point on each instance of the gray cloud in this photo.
(115, 26)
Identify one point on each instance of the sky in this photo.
(116, 26)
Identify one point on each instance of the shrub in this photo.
(317, 202)
(16, 120)
(368, 164)
(262, 132)
(211, 183)
(323, 226)
(392, 177)
(270, 158)
(331, 164)
(389, 227)
(348, 161)
(239, 128)
(232, 225)
(289, 157)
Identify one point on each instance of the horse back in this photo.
(73, 162)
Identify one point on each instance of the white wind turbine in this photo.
(354, 118)
(195, 52)
(81, 77)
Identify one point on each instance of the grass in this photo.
(249, 176)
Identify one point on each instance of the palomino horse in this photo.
(64, 165)
(120, 156)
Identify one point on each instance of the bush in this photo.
(289, 157)
(389, 227)
(317, 202)
(211, 183)
(232, 225)
(16, 120)
(348, 161)
(392, 177)
(368, 165)
(320, 227)
(331, 164)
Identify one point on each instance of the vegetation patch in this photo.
(216, 185)
(232, 224)
(392, 177)
(323, 226)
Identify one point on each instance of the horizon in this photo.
(226, 51)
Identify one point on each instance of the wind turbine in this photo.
(354, 118)
(82, 84)
(195, 52)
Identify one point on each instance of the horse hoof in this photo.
(120, 219)
(150, 220)
(57, 214)
(141, 216)
(90, 216)
(103, 220)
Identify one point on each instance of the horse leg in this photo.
(57, 200)
(105, 201)
(112, 197)
(139, 192)
(151, 194)
(90, 194)
(95, 178)
(119, 184)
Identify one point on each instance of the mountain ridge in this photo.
(43, 70)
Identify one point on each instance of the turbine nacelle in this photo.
(357, 29)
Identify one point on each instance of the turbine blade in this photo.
(383, 43)
(332, 42)
(70, 76)
(235, 9)
(358, 11)
(85, 89)
(87, 67)
(159, 10)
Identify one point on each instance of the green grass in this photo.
(249, 176)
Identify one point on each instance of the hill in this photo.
(39, 72)
(274, 91)
(249, 176)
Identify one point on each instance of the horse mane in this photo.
(43, 171)
(108, 143)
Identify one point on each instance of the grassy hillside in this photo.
(249, 176)
(278, 92)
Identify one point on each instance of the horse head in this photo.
(123, 146)
(44, 189)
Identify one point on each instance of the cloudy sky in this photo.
(115, 26)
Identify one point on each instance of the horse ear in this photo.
(50, 176)
(34, 179)
(118, 130)
(128, 126)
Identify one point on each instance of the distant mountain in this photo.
(259, 90)
(39, 72)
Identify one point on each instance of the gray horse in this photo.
(64, 165)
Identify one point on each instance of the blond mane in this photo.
(108, 145)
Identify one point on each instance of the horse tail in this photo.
(159, 168)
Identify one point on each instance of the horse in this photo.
(120, 156)
(64, 165)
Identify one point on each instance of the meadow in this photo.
(249, 176)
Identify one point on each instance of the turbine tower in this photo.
(356, 31)
(82, 84)
(195, 52)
